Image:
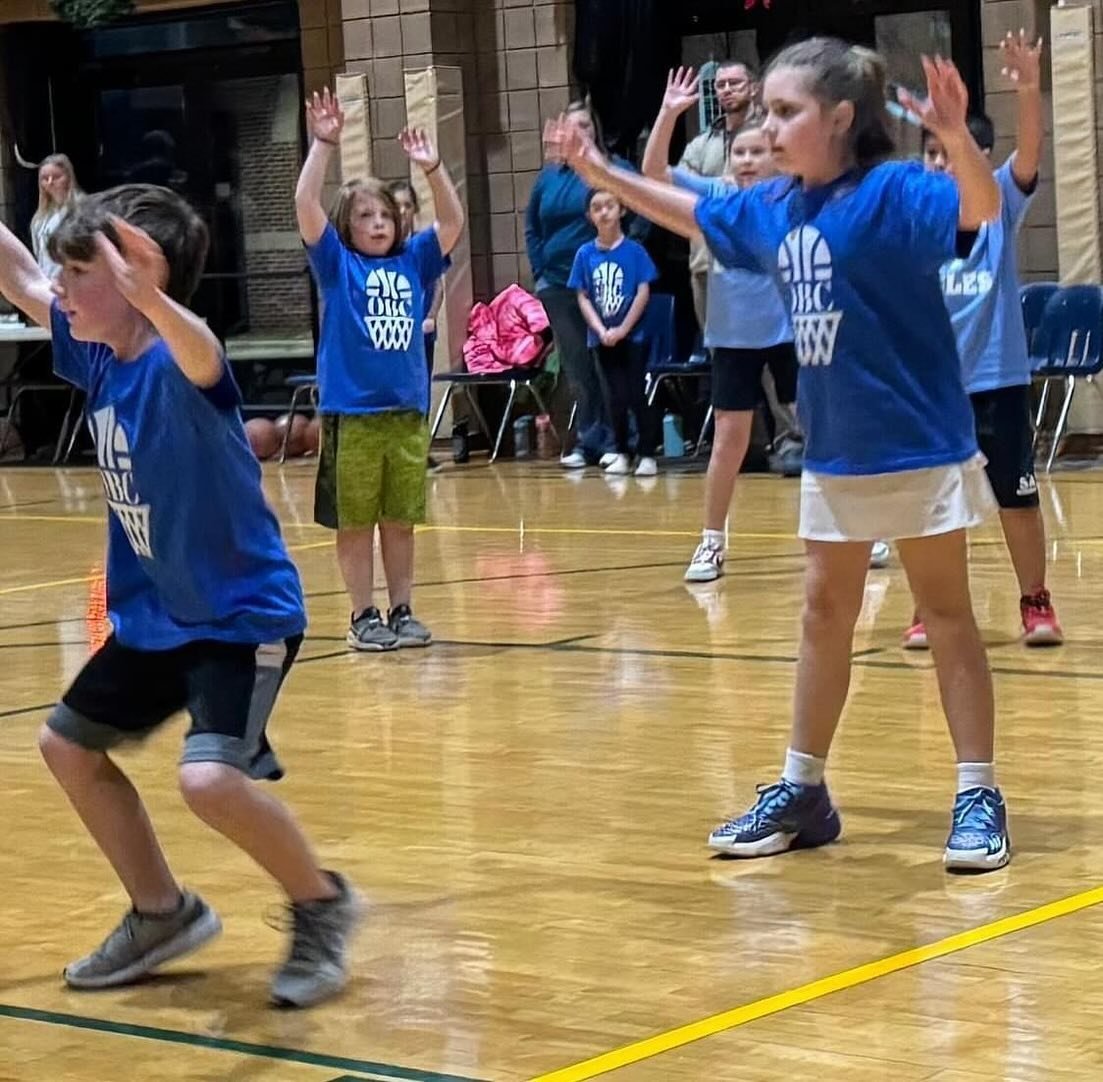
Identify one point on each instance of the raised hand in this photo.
(565, 143)
(324, 117)
(1022, 61)
(944, 110)
(682, 91)
(419, 148)
(138, 265)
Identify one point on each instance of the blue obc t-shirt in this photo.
(880, 387)
(610, 278)
(193, 550)
(371, 356)
(982, 294)
(745, 309)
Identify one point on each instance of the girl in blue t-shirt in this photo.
(612, 277)
(373, 381)
(890, 448)
(747, 329)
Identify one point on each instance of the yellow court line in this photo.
(825, 986)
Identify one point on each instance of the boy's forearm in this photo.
(193, 345)
(449, 209)
(21, 280)
(309, 211)
(589, 314)
(635, 313)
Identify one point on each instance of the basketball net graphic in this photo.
(804, 261)
(609, 288)
(390, 305)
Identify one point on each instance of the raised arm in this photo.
(324, 121)
(943, 113)
(140, 272)
(658, 202)
(681, 95)
(21, 280)
(420, 150)
(1023, 66)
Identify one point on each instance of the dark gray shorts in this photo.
(229, 689)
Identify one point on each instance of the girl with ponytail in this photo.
(857, 240)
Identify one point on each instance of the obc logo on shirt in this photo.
(609, 288)
(390, 310)
(804, 261)
(123, 498)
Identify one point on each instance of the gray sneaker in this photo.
(409, 630)
(141, 943)
(368, 632)
(317, 964)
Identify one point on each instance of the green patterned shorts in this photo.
(371, 469)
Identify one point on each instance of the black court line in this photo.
(43, 623)
(27, 503)
(574, 571)
(223, 1044)
(26, 710)
(38, 645)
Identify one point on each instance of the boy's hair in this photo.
(167, 217)
(980, 127)
(838, 71)
(593, 193)
(340, 213)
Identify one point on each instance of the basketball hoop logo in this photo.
(609, 288)
(390, 310)
(804, 261)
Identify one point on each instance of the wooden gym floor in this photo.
(525, 806)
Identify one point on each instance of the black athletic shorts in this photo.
(1005, 434)
(737, 376)
(229, 690)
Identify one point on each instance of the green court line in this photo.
(223, 1044)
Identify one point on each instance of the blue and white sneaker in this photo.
(785, 816)
(978, 840)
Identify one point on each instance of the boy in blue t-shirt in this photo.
(982, 294)
(205, 605)
(373, 377)
(612, 278)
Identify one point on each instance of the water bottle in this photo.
(461, 445)
(674, 443)
(522, 437)
(545, 446)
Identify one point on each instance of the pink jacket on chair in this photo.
(510, 332)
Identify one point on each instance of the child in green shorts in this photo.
(373, 381)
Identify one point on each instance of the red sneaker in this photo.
(1040, 624)
(915, 638)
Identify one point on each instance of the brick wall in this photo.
(267, 114)
(514, 57)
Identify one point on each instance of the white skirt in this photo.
(887, 506)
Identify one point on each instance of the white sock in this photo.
(713, 537)
(803, 769)
(976, 776)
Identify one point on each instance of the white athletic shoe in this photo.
(647, 467)
(576, 460)
(880, 556)
(619, 467)
(607, 459)
(707, 564)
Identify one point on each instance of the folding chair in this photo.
(303, 385)
(1072, 326)
(516, 379)
(1034, 298)
(659, 327)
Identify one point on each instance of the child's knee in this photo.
(828, 610)
(209, 787)
(63, 757)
